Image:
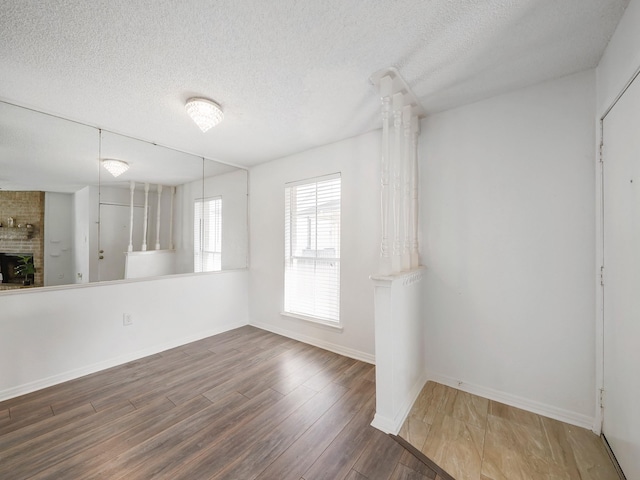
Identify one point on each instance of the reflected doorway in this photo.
(114, 238)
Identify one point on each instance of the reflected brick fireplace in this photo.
(8, 264)
(24, 208)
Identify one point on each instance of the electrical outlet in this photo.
(127, 319)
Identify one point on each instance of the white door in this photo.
(114, 238)
(621, 421)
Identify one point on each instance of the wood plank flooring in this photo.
(246, 404)
(473, 438)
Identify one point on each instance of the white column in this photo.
(146, 214)
(406, 188)
(173, 196)
(415, 132)
(398, 173)
(132, 187)
(396, 165)
(158, 218)
(385, 259)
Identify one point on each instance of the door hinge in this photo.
(602, 398)
(601, 152)
(602, 275)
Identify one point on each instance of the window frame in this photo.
(198, 223)
(290, 257)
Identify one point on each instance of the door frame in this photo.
(600, 274)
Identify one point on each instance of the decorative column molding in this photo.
(415, 132)
(132, 188)
(158, 217)
(396, 163)
(407, 172)
(385, 259)
(146, 214)
(401, 112)
(173, 196)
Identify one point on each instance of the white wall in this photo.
(52, 335)
(58, 239)
(357, 159)
(508, 190)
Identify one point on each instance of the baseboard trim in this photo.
(112, 362)
(543, 409)
(392, 426)
(332, 347)
(384, 424)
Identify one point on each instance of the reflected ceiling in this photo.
(43, 152)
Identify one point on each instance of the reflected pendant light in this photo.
(115, 167)
(205, 113)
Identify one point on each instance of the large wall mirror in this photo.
(66, 219)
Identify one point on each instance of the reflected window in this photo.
(312, 249)
(207, 235)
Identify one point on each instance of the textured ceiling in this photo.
(289, 74)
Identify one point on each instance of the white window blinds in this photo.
(312, 248)
(207, 235)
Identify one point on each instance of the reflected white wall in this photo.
(232, 187)
(59, 249)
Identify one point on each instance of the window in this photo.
(207, 235)
(312, 249)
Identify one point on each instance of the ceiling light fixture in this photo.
(115, 167)
(205, 113)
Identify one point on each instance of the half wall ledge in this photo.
(399, 337)
(407, 278)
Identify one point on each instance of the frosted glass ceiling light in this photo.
(205, 113)
(115, 167)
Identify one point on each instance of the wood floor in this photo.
(473, 438)
(246, 404)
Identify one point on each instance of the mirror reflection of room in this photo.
(79, 204)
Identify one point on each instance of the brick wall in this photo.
(24, 207)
